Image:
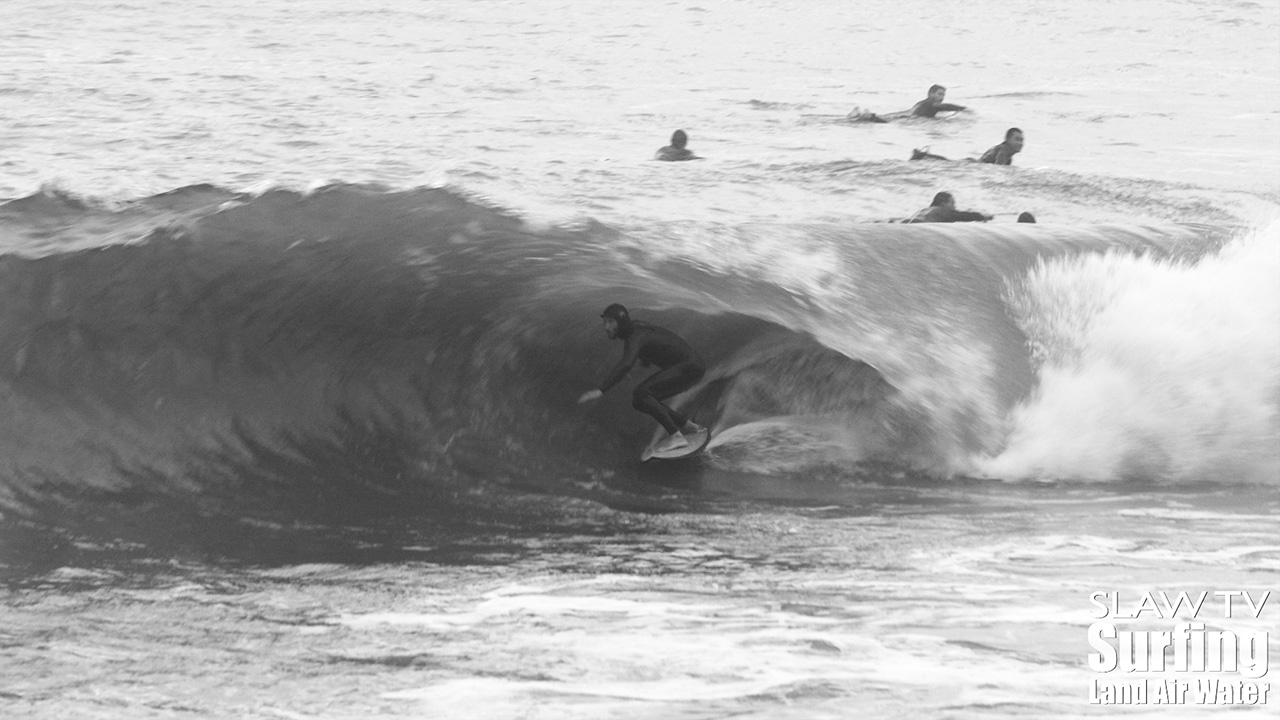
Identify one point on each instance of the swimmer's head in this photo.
(943, 199)
(617, 321)
(1026, 217)
(679, 140)
(1014, 137)
(937, 93)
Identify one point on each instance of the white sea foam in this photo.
(1151, 368)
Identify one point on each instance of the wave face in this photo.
(354, 349)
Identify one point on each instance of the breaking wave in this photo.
(354, 347)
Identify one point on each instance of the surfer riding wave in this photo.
(680, 368)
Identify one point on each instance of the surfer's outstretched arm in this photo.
(615, 376)
(932, 105)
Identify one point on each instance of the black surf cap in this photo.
(618, 312)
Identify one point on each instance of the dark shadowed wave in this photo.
(353, 352)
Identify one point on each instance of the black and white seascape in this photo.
(296, 299)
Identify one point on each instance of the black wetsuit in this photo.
(1001, 154)
(680, 369)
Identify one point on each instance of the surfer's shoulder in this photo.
(676, 151)
(673, 154)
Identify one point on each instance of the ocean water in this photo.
(296, 300)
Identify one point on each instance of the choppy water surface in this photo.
(557, 108)
(961, 603)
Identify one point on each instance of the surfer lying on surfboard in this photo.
(679, 369)
(943, 210)
(1001, 154)
(928, 107)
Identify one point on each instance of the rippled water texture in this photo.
(556, 108)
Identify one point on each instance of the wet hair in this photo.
(678, 140)
(941, 199)
(1026, 217)
(618, 313)
(936, 87)
(1009, 133)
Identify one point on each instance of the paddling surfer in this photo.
(1001, 154)
(926, 108)
(943, 210)
(932, 105)
(679, 368)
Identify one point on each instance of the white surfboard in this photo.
(697, 443)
